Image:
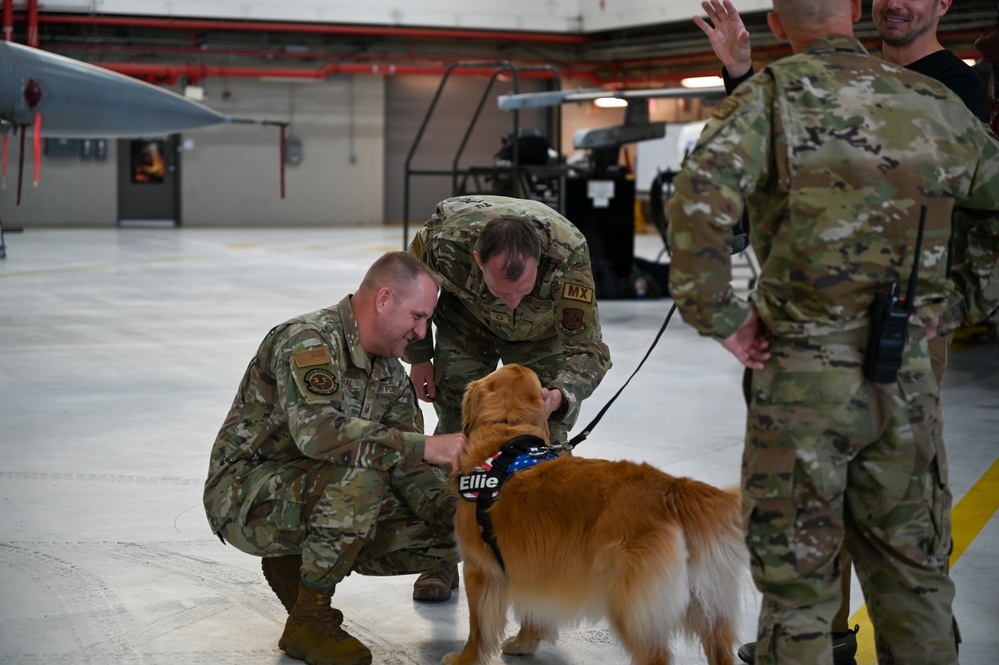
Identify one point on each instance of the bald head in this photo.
(802, 21)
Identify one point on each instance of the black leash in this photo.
(483, 487)
(579, 438)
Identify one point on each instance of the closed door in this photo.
(148, 181)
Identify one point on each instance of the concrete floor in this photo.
(120, 352)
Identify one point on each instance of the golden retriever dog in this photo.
(585, 539)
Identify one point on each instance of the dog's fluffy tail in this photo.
(719, 571)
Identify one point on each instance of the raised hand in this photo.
(728, 35)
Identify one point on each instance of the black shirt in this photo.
(941, 65)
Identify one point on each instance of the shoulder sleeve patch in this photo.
(416, 246)
(312, 357)
(577, 292)
(725, 108)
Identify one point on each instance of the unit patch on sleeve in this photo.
(571, 322)
(725, 108)
(321, 382)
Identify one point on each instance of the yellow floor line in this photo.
(968, 517)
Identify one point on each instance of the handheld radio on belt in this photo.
(889, 322)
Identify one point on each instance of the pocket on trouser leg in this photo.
(268, 518)
(899, 492)
(272, 528)
(769, 512)
(794, 472)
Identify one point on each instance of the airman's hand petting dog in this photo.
(587, 539)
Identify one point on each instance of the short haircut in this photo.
(512, 237)
(800, 14)
(398, 270)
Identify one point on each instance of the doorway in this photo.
(149, 181)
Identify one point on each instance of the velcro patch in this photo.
(499, 316)
(416, 247)
(577, 292)
(725, 108)
(321, 382)
(312, 357)
(572, 321)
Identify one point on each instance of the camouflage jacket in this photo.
(313, 392)
(835, 151)
(562, 303)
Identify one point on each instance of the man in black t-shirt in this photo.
(908, 29)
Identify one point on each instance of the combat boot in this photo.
(313, 633)
(283, 574)
(844, 648)
(436, 585)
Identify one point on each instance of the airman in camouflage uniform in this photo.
(323, 459)
(835, 152)
(548, 322)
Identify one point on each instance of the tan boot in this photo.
(436, 585)
(283, 574)
(313, 633)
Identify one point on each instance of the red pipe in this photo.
(171, 74)
(8, 20)
(32, 23)
(195, 72)
(315, 28)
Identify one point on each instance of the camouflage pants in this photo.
(831, 457)
(345, 519)
(461, 357)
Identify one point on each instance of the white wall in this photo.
(628, 13)
(230, 174)
(541, 15)
(71, 191)
(568, 16)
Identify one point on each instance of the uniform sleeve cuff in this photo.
(414, 445)
(569, 405)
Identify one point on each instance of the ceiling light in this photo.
(702, 82)
(971, 62)
(610, 102)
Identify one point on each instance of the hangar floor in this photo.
(120, 351)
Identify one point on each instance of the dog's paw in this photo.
(520, 646)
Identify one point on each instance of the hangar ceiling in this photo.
(166, 50)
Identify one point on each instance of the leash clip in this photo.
(552, 447)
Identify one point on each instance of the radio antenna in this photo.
(910, 294)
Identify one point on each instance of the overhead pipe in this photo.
(170, 74)
(314, 28)
(193, 73)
